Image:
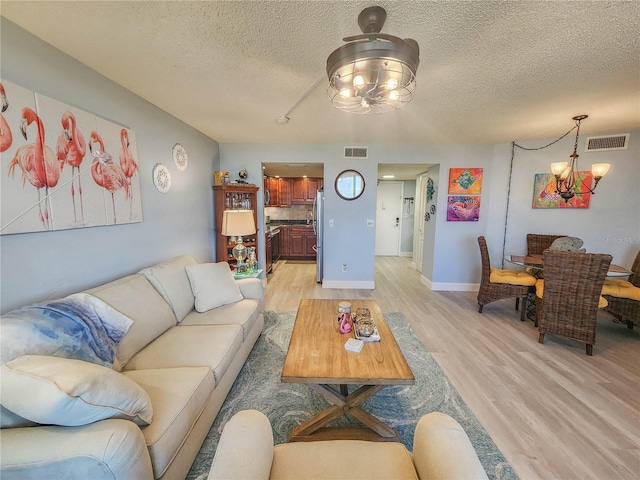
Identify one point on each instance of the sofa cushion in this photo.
(213, 346)
(136, 298)
(112, 449)
(171, 281)
(68, 392)
(383, 460)
(179, 396)
(245, 313)
(213, 285)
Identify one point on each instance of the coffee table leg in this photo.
(314, 428)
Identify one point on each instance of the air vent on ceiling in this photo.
(356, 152)
(607, 142)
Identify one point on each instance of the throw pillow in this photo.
(567, 244)
(213, 285)
(79, 326)
(63, 391)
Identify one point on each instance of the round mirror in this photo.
(349, 185)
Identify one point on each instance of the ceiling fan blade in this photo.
(373, 36)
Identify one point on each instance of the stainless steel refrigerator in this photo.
(318, 227)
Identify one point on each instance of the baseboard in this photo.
(449, 287)
(406, 254)
(364, 285)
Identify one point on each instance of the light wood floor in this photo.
(554, 412)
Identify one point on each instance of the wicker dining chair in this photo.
(537, 243)
(496, 284)
(568, 298)
(625, 308)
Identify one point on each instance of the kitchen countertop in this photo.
(274, 224)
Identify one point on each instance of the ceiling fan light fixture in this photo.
(374, 72)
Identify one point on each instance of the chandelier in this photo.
(566, 173)
(374, 72)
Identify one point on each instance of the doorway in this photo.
(388, 218)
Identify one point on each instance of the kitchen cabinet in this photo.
(303, 190)
(285, 231)
(301, 239)
(229, 197)
(284, 192)
(279, 192)
(267, 249)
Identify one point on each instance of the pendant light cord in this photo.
(506, 213)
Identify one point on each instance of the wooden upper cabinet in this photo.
(279, 191)
(271, 186)
(303, 190)
(284, 192)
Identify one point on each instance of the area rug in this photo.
(287, 405)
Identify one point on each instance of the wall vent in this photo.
(356, 152)
(607, 142)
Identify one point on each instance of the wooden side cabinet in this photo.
(233, 197)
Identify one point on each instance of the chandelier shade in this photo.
(375, 72)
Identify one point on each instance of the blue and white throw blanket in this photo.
(80, 326)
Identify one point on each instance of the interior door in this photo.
(389, 218)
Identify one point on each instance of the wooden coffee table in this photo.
(317, 357)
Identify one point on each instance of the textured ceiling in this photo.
(490, 71)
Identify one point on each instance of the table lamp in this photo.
(236, 223)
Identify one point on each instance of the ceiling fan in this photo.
(375, 72)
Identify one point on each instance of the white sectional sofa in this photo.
(172, 370)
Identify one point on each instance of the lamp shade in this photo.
(599, 170)
(558, 168)
(238, 222)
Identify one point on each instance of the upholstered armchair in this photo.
(624, 296)
(496, 284)
(441, 450)
(568, 298)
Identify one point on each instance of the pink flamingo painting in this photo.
(72, 149)
(5, 132)
(106, 173)
(38, 163)
(127, 163)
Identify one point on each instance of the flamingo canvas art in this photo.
(77, 202)
(6, 138)
(50, 179)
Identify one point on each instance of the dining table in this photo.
(536, 263)
(536, 267)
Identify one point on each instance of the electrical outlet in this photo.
(344, 267)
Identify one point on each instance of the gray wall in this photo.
(37, 266)
(451, 256)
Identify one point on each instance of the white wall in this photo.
(37, 266)
(451, 257)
